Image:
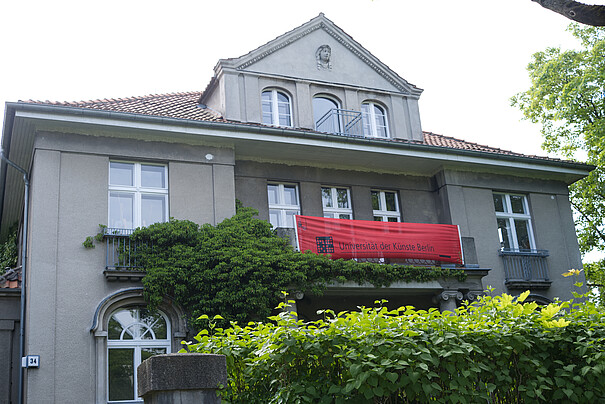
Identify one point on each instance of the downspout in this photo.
(23, 267)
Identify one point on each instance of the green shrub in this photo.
(496, 350)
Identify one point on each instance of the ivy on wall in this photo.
(238, 268)
(9, 250)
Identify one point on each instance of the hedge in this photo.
(496, 350)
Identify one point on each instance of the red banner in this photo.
(342, 238)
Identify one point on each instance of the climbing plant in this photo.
(238, 268)
(9, 250)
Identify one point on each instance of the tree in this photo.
(583, 13)
(567, 97)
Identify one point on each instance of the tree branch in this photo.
(592, 224)
(583, 13)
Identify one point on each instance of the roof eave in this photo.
(243, 127)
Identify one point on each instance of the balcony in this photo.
(341, 122)
(525, 269)
(120, 256)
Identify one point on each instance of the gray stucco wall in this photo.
(465, 198)
(252, 178)
(10, 364)
(69, 199)
(451, 197)
(292, 69)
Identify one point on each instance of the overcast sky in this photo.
(469, 56)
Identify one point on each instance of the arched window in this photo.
(374, 120)
(325, 115)
(133, 334)
(276, 108)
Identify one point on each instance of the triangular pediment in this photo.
(294, 55)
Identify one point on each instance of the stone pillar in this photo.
(182, 378)
(447, 300)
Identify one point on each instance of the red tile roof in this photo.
(174, 105)
(187, 106)
(11, 279)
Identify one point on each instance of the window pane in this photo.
(321, 106)
(284, 120)
(284, 109)
(272, 193)
(392, 219)
(378, 218)
(153, 209)
(267, 119)
(121, 208)
(274, 218)
(153, 176)
(121, 372)
(121, 174)
(147, 353)
(282, 98)
(379, 113)
(266, 96)
(522, 234)
(504, 233)
(516, 202)
(499, 202)
(290, 218)
(155, 321)
(343, 198)
(375, 200)
(390, 200)
(290, 195)
(326, 197)
(114, 329)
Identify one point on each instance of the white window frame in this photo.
(382, 212)
(369, 119)
(274, 105)
(335, 212)
(281, 207)
(137, 345)
(138, 191)
(511, 217)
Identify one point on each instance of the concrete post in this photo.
(447, 300)
(182, 378)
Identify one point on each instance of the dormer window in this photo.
(276, 108)
(374, 120)
(325, 115)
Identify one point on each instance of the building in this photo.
(310, 123)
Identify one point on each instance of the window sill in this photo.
(517, 251)
(527, 285)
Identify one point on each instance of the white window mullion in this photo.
(513, 232)
(137, 362)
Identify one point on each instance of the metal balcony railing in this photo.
(525, 265)
(341, 122)
(120, 249)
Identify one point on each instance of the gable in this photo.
(294, 55)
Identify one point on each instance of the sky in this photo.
(469, 56)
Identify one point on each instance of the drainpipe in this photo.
(23, 265)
